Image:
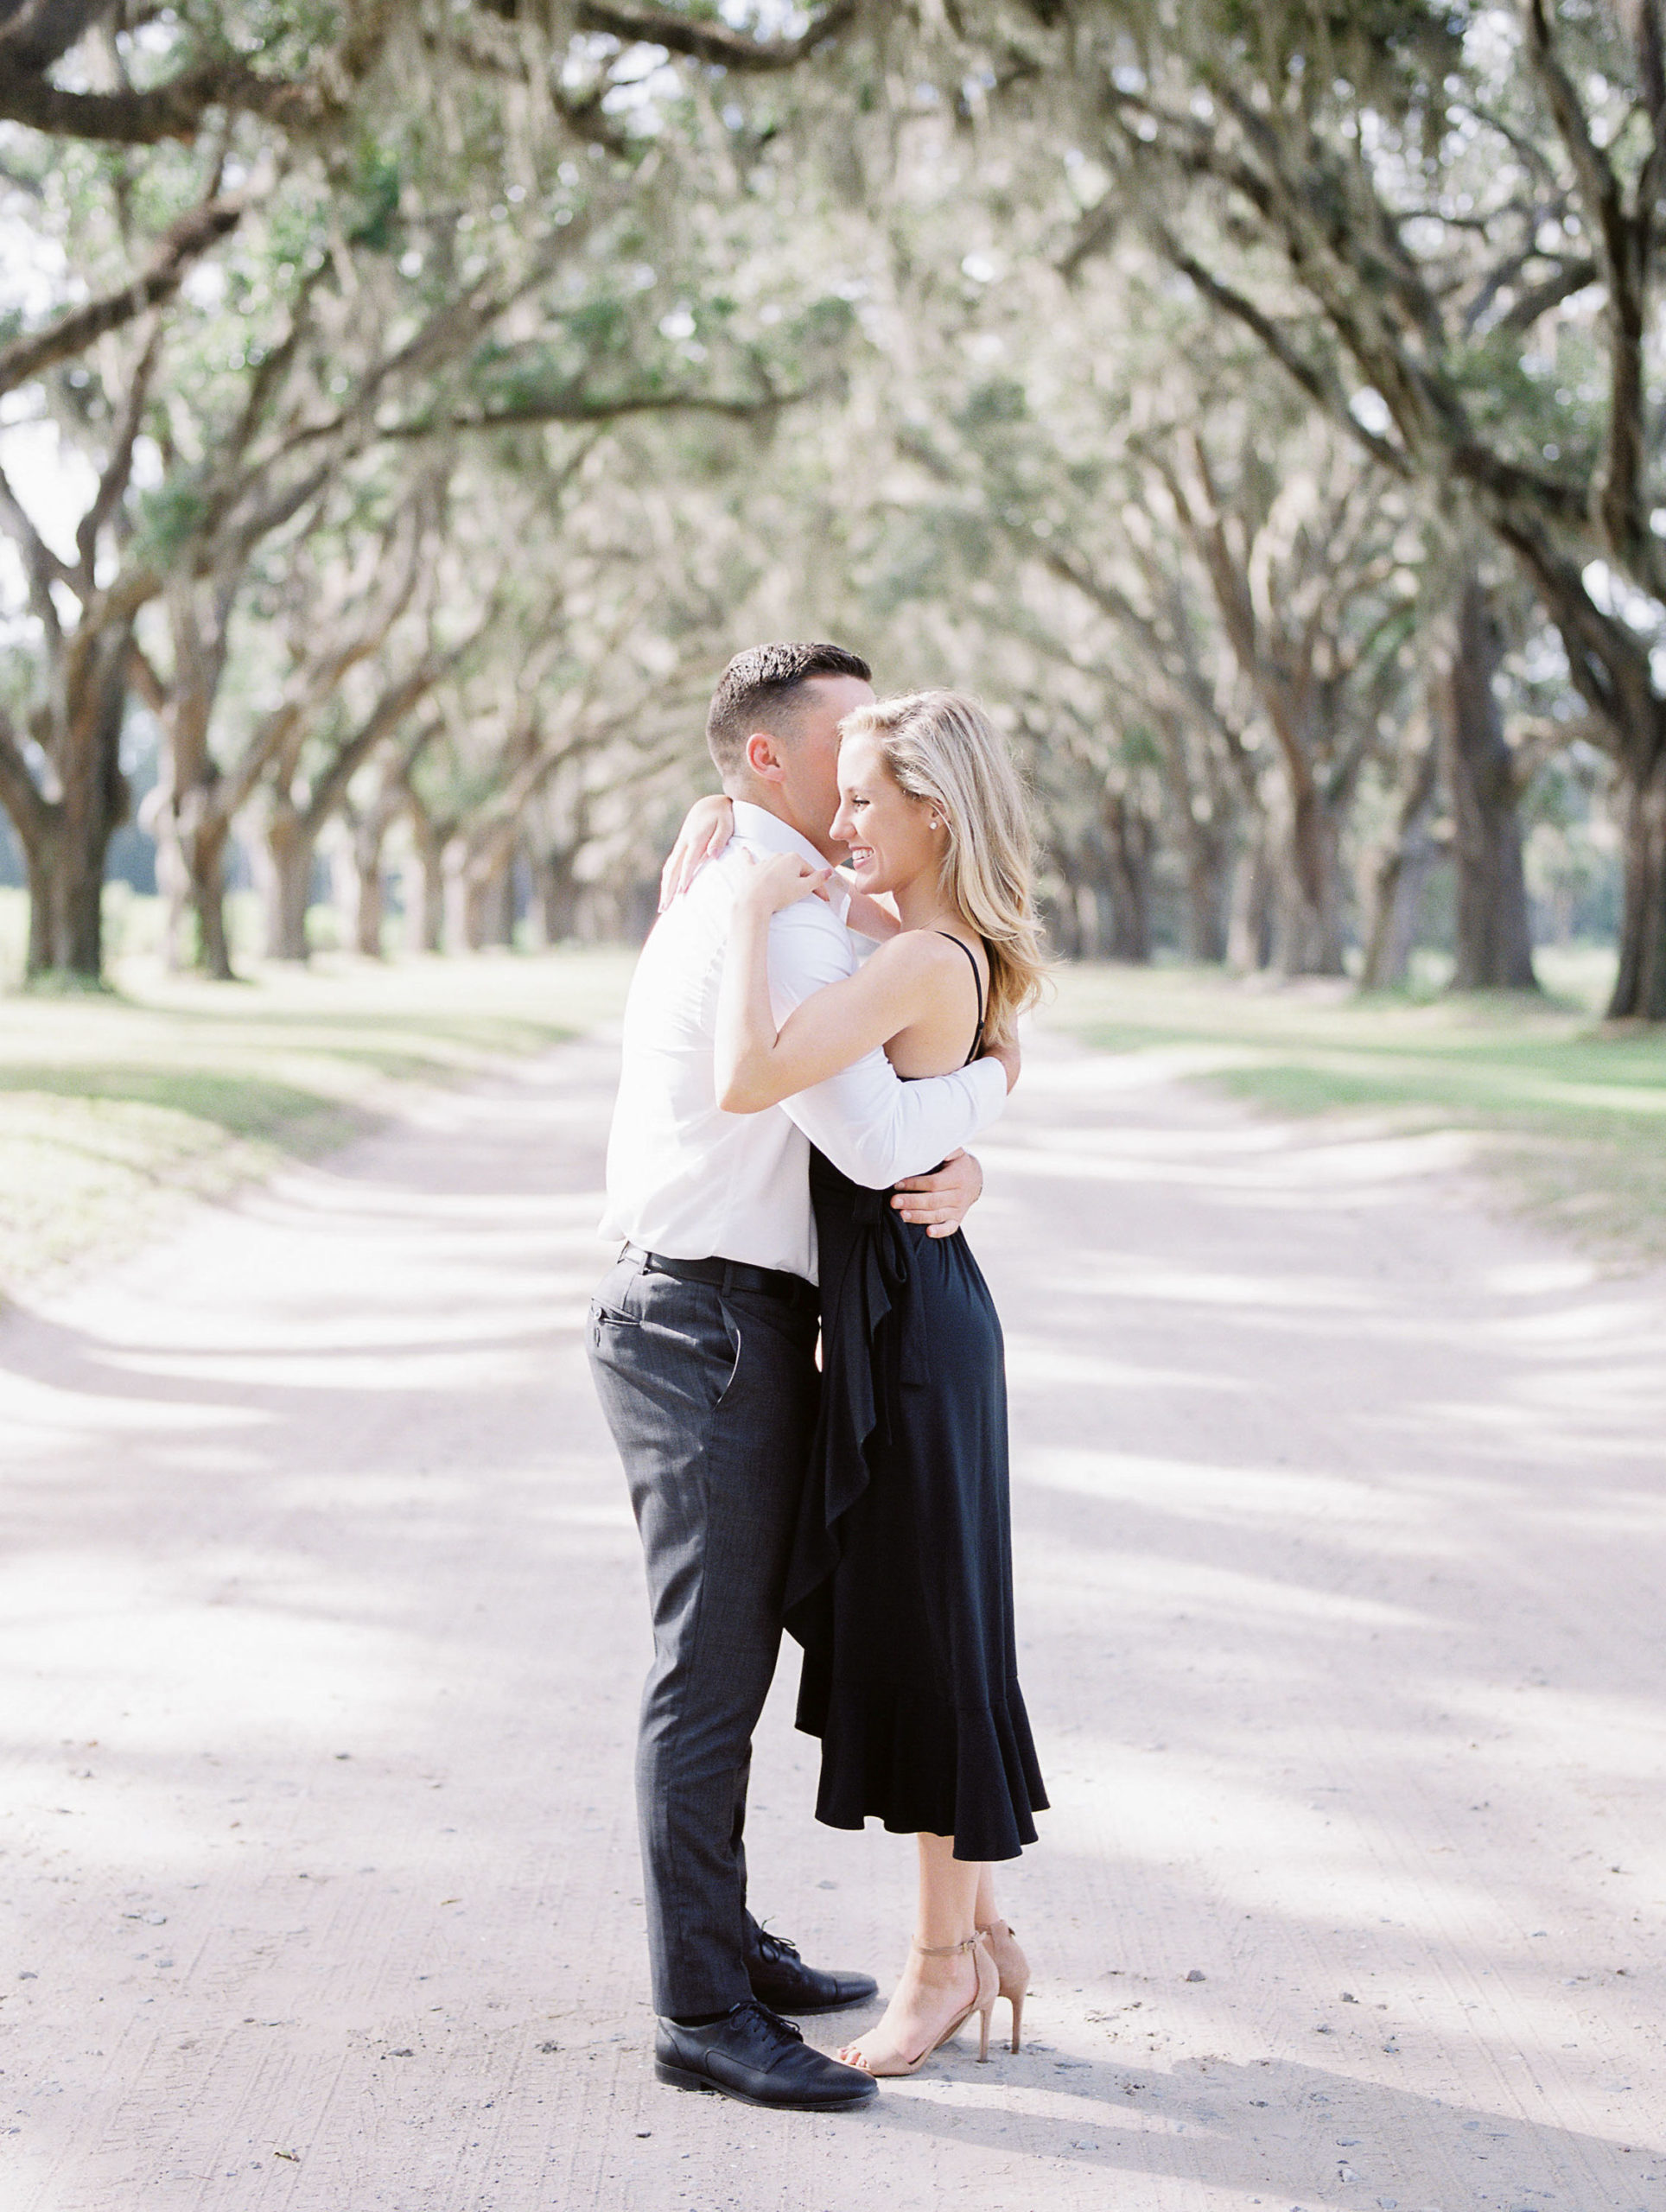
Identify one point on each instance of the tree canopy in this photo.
(405, 410)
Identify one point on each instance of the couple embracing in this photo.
(787, 1156)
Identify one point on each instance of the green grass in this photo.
(113, 1106)
(1570, 1115)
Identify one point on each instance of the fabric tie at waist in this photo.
(884, 1251)
(874, 1268)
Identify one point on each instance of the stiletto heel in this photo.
(1013, 1969)
(983, 2003)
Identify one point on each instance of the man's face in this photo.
(809, 757)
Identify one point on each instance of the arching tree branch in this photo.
(714, 42)
(186, 241)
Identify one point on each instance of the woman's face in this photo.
(889, 833)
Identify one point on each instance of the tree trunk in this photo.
(192, 842)
(1061, 912)
(479, 909)
(498, 906)
(1636, 721)
(363, 887)
(1401, 871)
(555, 895)
(206, 853)
(287, 850)
(1127, 882)
(1092, 900)
(1249, 925)
(1207, 888)
(425, 885)
(1640, 986)
(65, 844)
(173, 879)
(66, 894)
(1495, 944)
(370, 905)
(1401, 879)
(1313, 931)
(462, 916)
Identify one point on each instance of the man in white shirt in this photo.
(703, 1345)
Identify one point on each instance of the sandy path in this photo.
(1341, 1512)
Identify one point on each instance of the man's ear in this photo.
(763, 756)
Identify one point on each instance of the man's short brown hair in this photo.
(756, 691)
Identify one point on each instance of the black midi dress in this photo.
(901, 1588)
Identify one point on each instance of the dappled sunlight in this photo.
(1152, 1068)
(1535, 1278)
(1258, 2134)
(1266, 1842)
(1609, 1325)
(1032, 1363)
(257, 1585)
(1128, 1275)
(1246, 1601)
(1354, 1164)
(1225, 1494)
(1333, 1605)
(414, 1367)
(322, 1636)
(27, 1404)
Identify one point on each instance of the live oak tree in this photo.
(1444, 224)
(60, 777)
(957, 332)
(306, 72)
(321, 349)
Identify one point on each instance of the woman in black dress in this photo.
(901, 1589)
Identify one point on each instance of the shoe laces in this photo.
(786, 2031)
(772, 1947)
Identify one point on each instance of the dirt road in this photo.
(1341, 1510)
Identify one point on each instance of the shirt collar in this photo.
(759, 827)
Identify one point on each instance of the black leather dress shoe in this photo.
(752, 2056)
(780, 1977)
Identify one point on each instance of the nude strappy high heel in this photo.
(983, 2003)
(1012, 1966)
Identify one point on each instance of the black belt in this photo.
(727, 1276)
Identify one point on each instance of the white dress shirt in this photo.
(687, 1180)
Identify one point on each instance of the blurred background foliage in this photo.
(407, 406)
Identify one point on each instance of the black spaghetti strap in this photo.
(977, 980)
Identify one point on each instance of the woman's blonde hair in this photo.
(940, 745)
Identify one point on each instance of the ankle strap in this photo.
(945, 1950)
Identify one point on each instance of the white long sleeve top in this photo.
(687, 1180)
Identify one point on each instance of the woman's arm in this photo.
(757, 1064)
(865, 915)
(707, 828)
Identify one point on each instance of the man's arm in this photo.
(874, 1128)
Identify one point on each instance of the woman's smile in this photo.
(885, 830)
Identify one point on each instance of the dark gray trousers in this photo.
(711, 1399)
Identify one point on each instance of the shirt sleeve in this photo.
(873, 1125)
